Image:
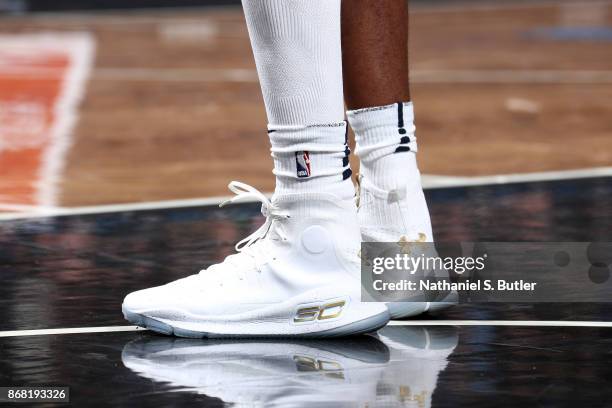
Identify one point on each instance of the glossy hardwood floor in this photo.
(73, 271)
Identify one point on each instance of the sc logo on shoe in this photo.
(312, 313)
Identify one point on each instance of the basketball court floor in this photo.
(120, 131)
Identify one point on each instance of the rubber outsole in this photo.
(450, 300)
(367, 325)
(403, 310)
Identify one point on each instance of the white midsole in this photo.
(276, 319)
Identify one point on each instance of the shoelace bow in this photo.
(243, 191)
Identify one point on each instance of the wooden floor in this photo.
(173, 109)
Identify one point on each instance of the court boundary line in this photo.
(429, 182)
(79, 48)
(503, 323)
(66, 110)
(75, 330)
(441, 181)
(461, 323)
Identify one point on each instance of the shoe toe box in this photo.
(143, 300)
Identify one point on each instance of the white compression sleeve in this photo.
(297, 48)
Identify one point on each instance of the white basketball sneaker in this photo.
(297, 275)
(396, 216)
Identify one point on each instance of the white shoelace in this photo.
(268, 209)
(248, 252)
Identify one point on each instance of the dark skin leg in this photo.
(375, 52)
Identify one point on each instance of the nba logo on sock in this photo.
(302, 164)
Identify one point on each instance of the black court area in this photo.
(73, 271)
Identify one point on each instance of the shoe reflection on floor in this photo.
(397, 367)
(417, 355)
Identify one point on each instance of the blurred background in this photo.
(105, 102)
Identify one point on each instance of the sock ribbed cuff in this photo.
(308, 158)
(383, 130)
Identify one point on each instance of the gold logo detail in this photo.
(406, 245)
(327, 311)
(331, 369)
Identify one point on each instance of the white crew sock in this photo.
(297, 49)
(386, 145)
(391, 201)
(312, 158)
